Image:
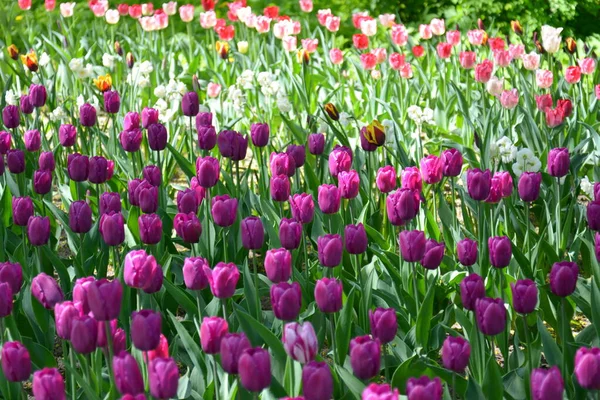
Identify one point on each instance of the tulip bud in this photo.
(128, 377)
(466, 251)
(13, 52)
(329, 199)
(78, 167)
(380, 392)
(33, 140)
(25, 105)
(98, 170)
(452, 161)
(286, 300)
(471, 289)
(340, 159)
(330, 250)
(147, 197)
(187, 227)
(259, 133)
(118, 48)
(558, 162)
(303, 207)
(479, 183)
(412, 245)
(455, 354)
(145, 329)
(328, 295)
(586, 368)
(194, 274)
(157, 137)
(152, 174)
(300, 341)
(46, 161)
(67, 135)
(491, 315)
(332, 111)
(104, 299)
(10, 116)
(212, 331)
(290, 233)
(45, 289)
(355, 238)
(207, 171)
(525, 296)
(42, 181)
(224, 210)
(38, 230)
(431, 169)
(16, 161)
(278, 265)
(529, 186)
(130, 60)
(571, 45)
(16, 363)
(317, 381)
(5, 142)
(149, 117)
(48, 384)
(365, 357)
(112, 228)
(386, 179)
(516, 27)
(150, 228)
(37, 95)
(434, 253)
(316, 143)
(563, 278)
(280, 188)
(84, 331)
(349, 184)
(22, 210)
(383, 324)
(80, 217)
(500, 249)
(547, 384)
(190, 104)
(87, 115)
(298, 153)
(6, 300)
(254, 366)
(232, 347)
(223, 279)
(253, 234)
(12, 273)
(112, 101)
(424, 388)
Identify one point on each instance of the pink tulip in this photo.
(573, 74)
(543, 78)
(587, 65)
(186, 12)
(509, 98)
(336, 56)
(213, 89)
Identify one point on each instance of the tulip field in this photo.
(230, 200)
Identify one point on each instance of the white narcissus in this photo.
(551, 38)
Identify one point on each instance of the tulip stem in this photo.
(566, 325)
(224, 239)
(200, 304)
(529, 355)
(305, 255)
(109, 352)
(455, 218)
(453, 385)
(191, 149)
(72, 361)
(333, 348)
(258, 308)
(215, 378)
(558, 227)
(385, 364)
(415, 288)
(208, 246)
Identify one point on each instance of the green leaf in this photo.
(424, 318)
(551, 351)
(492, 382)
(184, 164)
(343, 330)
(595, 306)
(182, 298)
(192, 348)
(350, 381)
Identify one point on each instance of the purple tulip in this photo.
(259, 133)
(145, 329)
(42, 181)
(317, 381)
(300, 341)
(10, 116)
(529, 186)
(87, 115)
(46, 161)
(558, 162)
(471, 289)
(112, 101)
(563, 278)
(434, 253)
(15, 159)
(84, 332)
(455, 354)
(128, 377)
(204, 119)
(224, 210)
(298, 153)
(431, 169)
(479, 183)
(412, 245)
(282, 164)
(132, 186)
(37, 95)
(131, 140)
(194, 273)
(547, 384)
(80, 217)
(466, 251)
(78, 167)
(157, 137)
(138, 266)
(290, 233)
(597, 246)
(592, 214)
(80, 292)
(316, 143)
(187, 227)
(25, 105)
(349, 184)
(383, 324)
(6, 300)
(22, 210)
(150, 228)
(16, 363)
(67, 135)
(232, 145)
(187, 202)
(64, 313)
(424, 388)
(156, 280)
(112, 228)
(152, 174)
(12, 273)
(330, 250)
(500, 250)
(207, 171)
(280, 188)
(232, 347)
(147, 197)
(491, 315)
(38, 230)
(380, 392)
(48, 384)
(252, 232)
(149, 117)
(286, 300)
(303, 207)
(190, 104)
(355, 238)
(506, 182)
(110, 202)
(386, 179)
(329, 199)
(98, 170)
(402, 205)
(525, 296)
(223, 279)
(365, 357)
(5, 142)
(587, 368)
(104, 298)
(452, 162)
(278, 265)
(340, 159)
(199, 190)
(33, 140)
(328, 295)
(45, 289)
(131, 121)
(212, 331)
(254, 366)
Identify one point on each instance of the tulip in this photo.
(316, 143)
(525, 296)
(10, 116)
(190, 104)
(156, 280)
(110, 202)
(298, 153)
(223, 279)
(145, 329)
(328, 295)
(380, 392)
(282, 164)
(259, 133)
(472, 288)
(303, 207)
(104, 299)
(38, 230)
(286, 300)
(232, 145)
(402, 205)
(424, 388)
(563, 278)
(386, 179)
(77, 167)
(455, 354)
(12, 273)
(500, 249)
(207, 171)
(45, 289)
(161, 351)
(547, 384)
(434, 253)
(491, 315)
(355, 238)
(558, 162)
(478, 183)
(6, 300)
(412, 245)
(280, 188)
(593, 215)
(138, 266)
(290, 233)
(157, 137)
(64, 313)
(483, 71)
(187, 202)
(529, 186)
(187, 227)
(46, 161)
(112, 228)
(411, 179)
(383, 324)
(80, 292)
(25, 105)
(153, 175)
(98, 170)
(466, 251)
(22, 210)
(15, 159)
(587, 368)
(16, 363)
(149, 117)
(128, 377)
(212, 331)
(329, 199)
(33, 140)
(330, 250)
(42, 181)
(300, 341)
(131, 140)
(254, 367)
(87, 115)
(224, 210)
(232, 347)
(349, 184)
(80, 217)
(452, 161)
(278, 265)
(365, 357)
(340, 159)
(317, 381)
(194, 273)
(5, 142)
(253, 233)
(332, 111)
(84, 332)
(48, 384)
(112, 101)
(431, 169)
